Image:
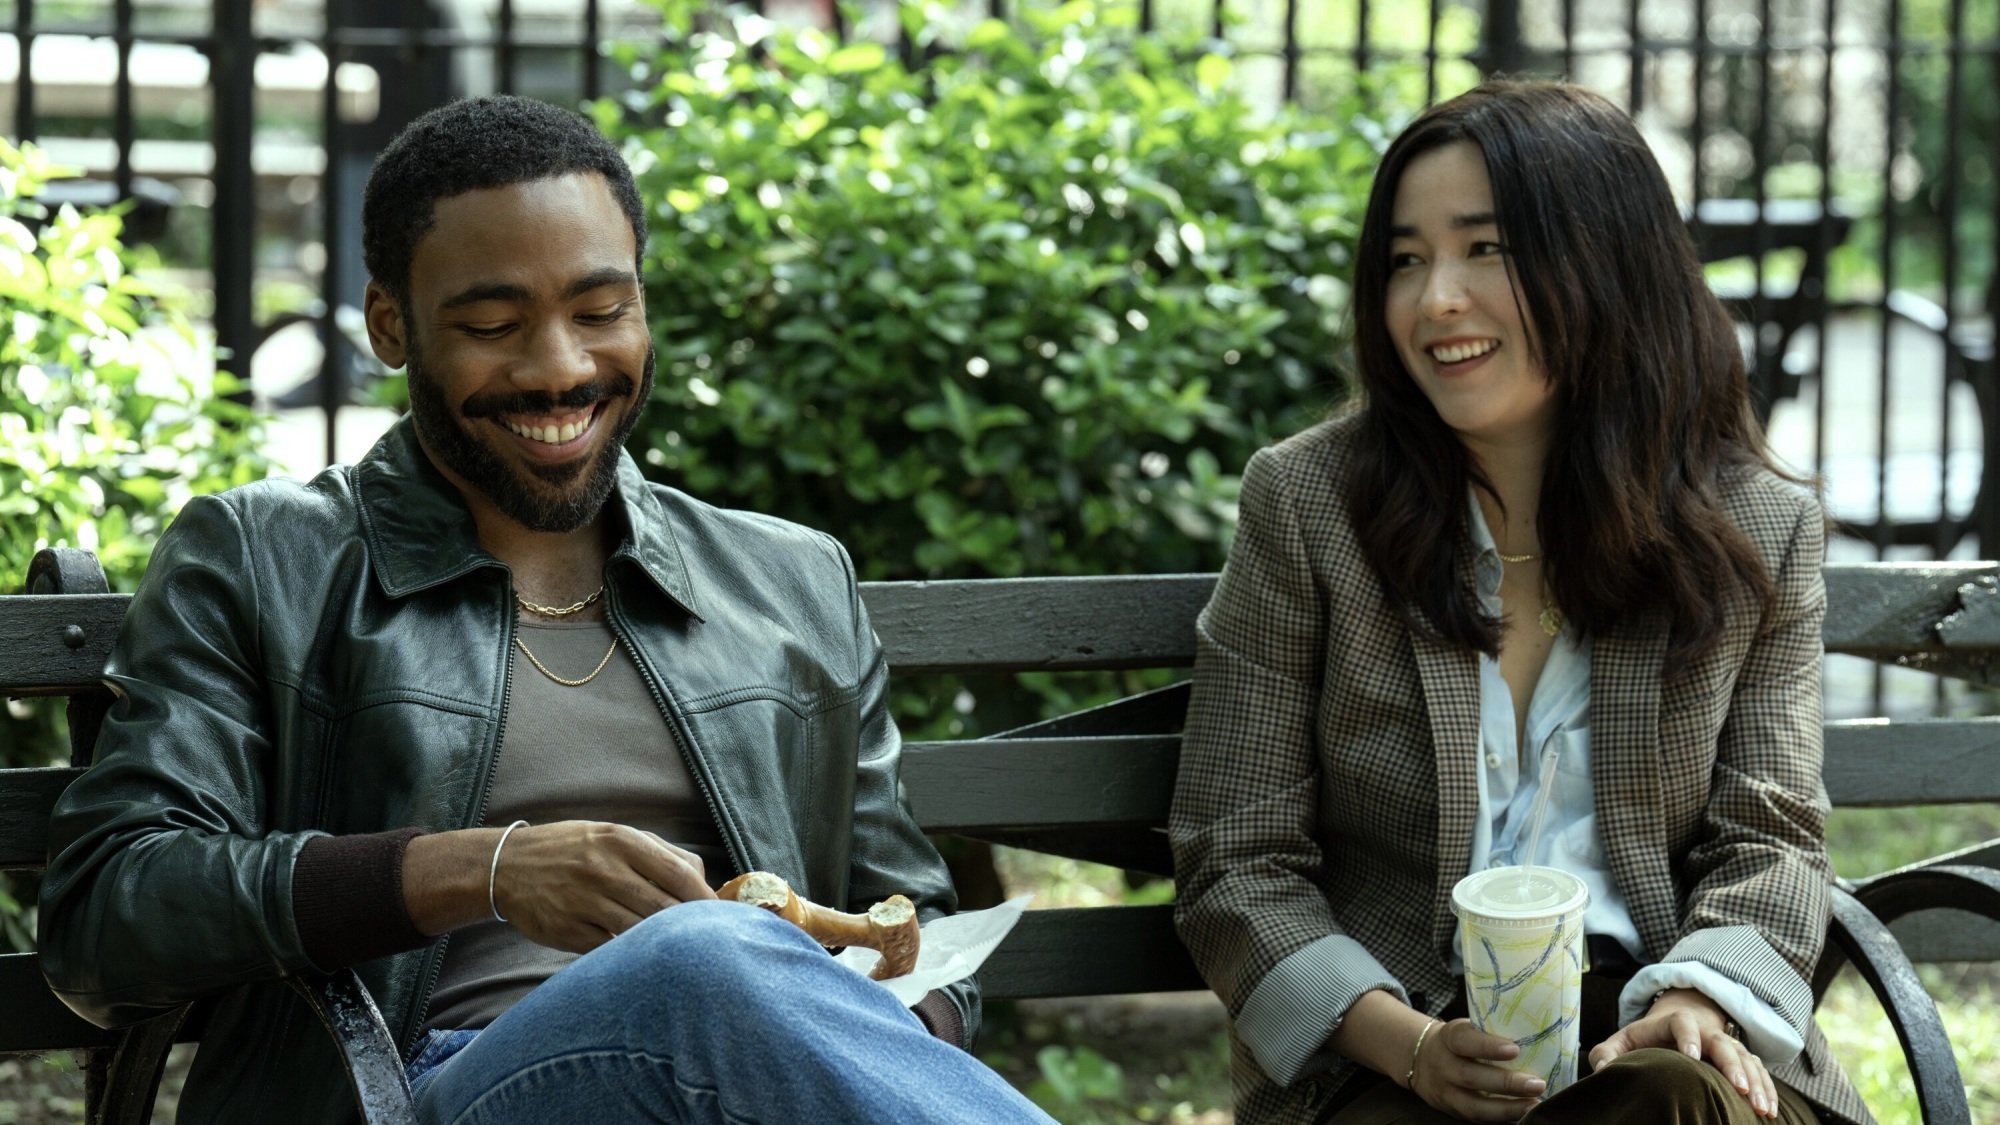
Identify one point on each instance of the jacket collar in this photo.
(421, 534)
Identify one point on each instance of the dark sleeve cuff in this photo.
(940, 1018)
(347, 898)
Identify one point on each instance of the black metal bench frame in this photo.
(1096, 786)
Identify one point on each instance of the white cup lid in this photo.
(1499, 894)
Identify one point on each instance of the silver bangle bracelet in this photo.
(493, 872)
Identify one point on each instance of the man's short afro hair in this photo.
(472, 144)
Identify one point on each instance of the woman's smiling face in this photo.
(1451, 306)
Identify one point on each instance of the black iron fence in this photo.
(1840, 160)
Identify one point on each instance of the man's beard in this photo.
(562, 507)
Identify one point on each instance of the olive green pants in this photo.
(1656, 1086)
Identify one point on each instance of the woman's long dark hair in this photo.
(1652, 405)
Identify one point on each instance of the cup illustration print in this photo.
(1521, 933)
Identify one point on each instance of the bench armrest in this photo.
(374, 1065)
(1856, 935)
(1943, 886)
(121, 1083)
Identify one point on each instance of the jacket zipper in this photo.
(435, 967)
(739, 852)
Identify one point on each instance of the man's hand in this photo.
(1453, 1067)
(1685, 1020)
(1455, 1075)
(572, 885)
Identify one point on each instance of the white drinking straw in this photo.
(1538, 815)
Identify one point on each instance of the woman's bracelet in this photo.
(1410, 1079)
(493, 872)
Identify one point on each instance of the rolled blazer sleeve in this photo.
(1758, 900)
(1251, 910)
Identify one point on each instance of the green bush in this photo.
(1023, 310)
(109, 418)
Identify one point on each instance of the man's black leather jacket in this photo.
(333, 658)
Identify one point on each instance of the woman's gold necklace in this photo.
(563, 611)
(1551, 617)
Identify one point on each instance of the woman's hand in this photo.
(1685, 1020)
(1454, 1073)
(1450, 1068)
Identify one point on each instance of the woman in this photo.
(1550, 528)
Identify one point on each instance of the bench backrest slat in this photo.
(1877, 763)
(1090, 951)
(991, 784)
(34, 1019)
(26, 796)
(1882, 610)
(39, 655)
(1887, 610)
(1038, 624)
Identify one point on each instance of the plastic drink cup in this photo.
(1521, 934)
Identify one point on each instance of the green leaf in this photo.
(1211, 72)
(855, 58)
(987, 34)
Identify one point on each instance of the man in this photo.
(490, 684)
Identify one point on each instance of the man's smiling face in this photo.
(525, 337)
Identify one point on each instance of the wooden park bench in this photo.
(1096, 785)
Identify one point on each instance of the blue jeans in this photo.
(706, 1012)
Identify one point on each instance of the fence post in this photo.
(24, 88)
(1501, 51)
(232, 66)
(1985, 377)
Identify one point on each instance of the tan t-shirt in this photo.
(602, 751)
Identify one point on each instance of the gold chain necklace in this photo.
(558, 611)
(544, 669)
(1551, 617)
